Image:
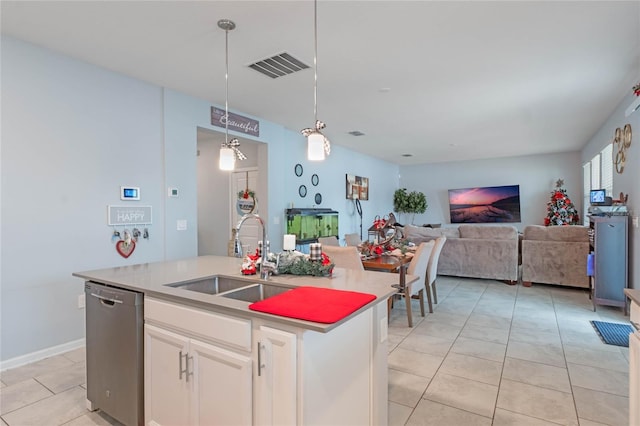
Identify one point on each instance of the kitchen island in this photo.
(634, 356)
(209, 359)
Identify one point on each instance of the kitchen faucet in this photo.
(266, 267)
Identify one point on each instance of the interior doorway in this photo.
(215, 190)
(244, 182)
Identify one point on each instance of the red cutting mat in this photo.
(315, 304)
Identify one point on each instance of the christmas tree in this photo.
(560, 209)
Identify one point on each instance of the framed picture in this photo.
(485, 204)
(357, 187)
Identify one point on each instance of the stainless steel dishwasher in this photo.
(114, 346)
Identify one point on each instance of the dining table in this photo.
(388, 263)
(391, 263)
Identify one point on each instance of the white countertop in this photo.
(153, 279)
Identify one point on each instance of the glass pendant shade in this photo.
(315, 147)
(227, 159)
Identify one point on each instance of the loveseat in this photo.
(475, 251)
(555, 255)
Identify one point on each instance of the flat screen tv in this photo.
(489, 204)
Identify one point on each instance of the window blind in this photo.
(595, 172)
(606, 169)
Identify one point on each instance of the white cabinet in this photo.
(634, 365)
(276, 372)
(192, 381)
(634, 378)
(206, 368)
(222, 386)
(312, 378)
(166, 391)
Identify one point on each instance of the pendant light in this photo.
(229, 151)
(317, 144)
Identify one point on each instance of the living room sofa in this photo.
(555, 255)
(475, 251)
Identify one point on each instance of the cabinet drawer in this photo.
(635, 313)
(235, 332)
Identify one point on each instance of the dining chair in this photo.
(352, 239)
(432, 271)
(418, 266)
(344, 257)
(328, 241)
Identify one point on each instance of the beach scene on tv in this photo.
(489, 204)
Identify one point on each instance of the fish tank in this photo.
(310, 224)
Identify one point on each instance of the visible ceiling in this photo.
(442, 81)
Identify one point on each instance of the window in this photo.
(597, 174)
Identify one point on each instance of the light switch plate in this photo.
(634, 220)
(181, 225)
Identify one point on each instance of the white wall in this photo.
(383, 181)
(627, 182)
(536, 175)
(72, 133)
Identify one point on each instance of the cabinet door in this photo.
(611, 260)
(276, 400)
(222, 384)
(166, 392)
(634, 378)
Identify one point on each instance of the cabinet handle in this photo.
(180, 355)
(187, 372)
(260, 364)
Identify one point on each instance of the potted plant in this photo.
(409, 202)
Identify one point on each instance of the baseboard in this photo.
(41, 354)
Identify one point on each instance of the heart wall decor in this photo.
(125, 248)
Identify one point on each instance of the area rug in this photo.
(613, 333)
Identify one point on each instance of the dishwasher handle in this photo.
(106, 300)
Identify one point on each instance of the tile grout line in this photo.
(504, 359)
(564, 356)
(443, 358)
(508, 341)
(447, 354)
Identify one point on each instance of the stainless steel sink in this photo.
(255, 292)
(213, 285)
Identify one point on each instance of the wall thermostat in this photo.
(129, 193)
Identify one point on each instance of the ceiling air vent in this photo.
(279, 65)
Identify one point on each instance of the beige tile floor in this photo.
(490, 354)
(493, 354)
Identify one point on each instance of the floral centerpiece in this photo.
(367, 248)
(293, 262)
(401, 243)
(297, 263)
